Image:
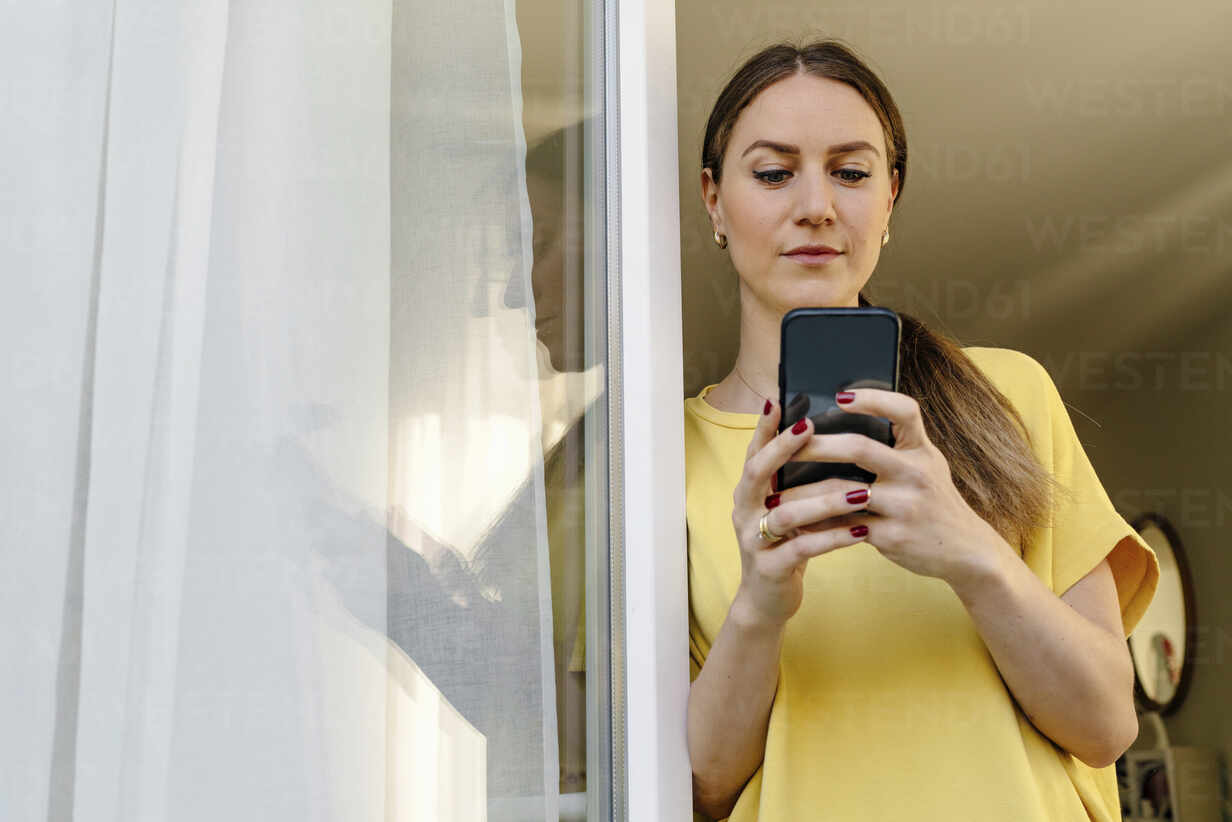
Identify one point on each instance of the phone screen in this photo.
(827, 350)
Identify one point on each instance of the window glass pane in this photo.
(561, 70)
(497, 393)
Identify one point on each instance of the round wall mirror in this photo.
(1162, 644)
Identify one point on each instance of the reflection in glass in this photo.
(469, 599)
(490, 390)
(559, 118)
(568, 388)
(1166, 670)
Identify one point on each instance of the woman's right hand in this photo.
(810, 516)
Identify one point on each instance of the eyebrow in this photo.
(787, 148)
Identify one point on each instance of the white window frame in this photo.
(649, 435)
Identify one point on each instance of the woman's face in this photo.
(805, 166)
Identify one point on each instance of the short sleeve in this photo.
(1086, 527)
(697, 648)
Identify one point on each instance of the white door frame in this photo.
(651, 416)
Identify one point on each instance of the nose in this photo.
(816, 200)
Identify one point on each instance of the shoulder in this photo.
(1023, 380)
(1028, 386)
(1006, 364)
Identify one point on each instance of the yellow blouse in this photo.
(889, 705)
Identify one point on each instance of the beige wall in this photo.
(1069, 194)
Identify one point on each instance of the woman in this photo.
(956, 650)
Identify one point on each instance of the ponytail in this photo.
(978, 430)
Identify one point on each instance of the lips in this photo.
(812, 254)
(813, 249)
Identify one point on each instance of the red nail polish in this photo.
(859, 495)
(766, 410)
(844, 397)
(799, 427)
(773, 501)
(859, 530)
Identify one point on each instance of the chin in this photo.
(819, 294)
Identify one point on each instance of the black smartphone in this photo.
(826, 350)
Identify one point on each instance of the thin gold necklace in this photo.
(740, 376)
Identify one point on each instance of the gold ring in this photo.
(764, 527)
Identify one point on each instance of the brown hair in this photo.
(972, 423)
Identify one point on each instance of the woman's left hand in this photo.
(917, 518)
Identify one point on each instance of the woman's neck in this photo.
(754, 378)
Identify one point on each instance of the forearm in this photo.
(1069, 675)
(729, 709)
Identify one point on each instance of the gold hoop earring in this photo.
(720, 240)
(885, 238)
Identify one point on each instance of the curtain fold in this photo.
(273, 506)
(151, 266)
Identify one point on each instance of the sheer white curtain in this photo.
(271, 488)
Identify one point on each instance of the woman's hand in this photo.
(772, 572)
(915, 516)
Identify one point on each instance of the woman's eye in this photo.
(775, 176)
(856, 175)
